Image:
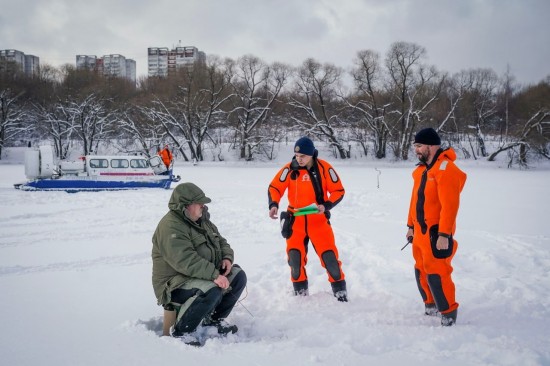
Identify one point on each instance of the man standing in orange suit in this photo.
(309, 180)
(166, 156)
(432, 222)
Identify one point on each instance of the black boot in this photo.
(339, 290)
(222, 326)
(431, 310)
(449, 319)
(190, 339)
(301, 288)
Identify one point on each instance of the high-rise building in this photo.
(108, 65)
(163, 62)
(131, 69)
(32, 65)
(12, 60)
(157, 61)
(86, 62)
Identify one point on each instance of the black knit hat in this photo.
(304, 146)
(427, 136)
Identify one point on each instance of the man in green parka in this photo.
(193, 266)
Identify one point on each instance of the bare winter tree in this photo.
(414, 86)
(480, 104)
(214, 95)
(54, 122)
(538, 124)
(454, 89)
(256, 86)
(171, 121)
(315, 102)
(370, 102)
(142, 130)
(530, 129)
(12, 118)
(186, 120)
(92, 120)
(444, 112)
(486, 110)
(508, 89)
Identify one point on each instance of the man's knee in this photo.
(295, 263)
(213, 295)
(239, 282)
(331, 264)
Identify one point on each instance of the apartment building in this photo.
(109, 65)
(12, 60)
(87, 62)
(163, 62)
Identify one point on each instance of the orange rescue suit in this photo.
(328, 191)
(433, 209)
(166, 156)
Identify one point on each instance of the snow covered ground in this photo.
(75, 274)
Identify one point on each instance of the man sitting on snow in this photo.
(193, 267)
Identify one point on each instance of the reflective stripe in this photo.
(333, 175)
(443, 165)
(284, 174)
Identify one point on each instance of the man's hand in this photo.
(321, 208)
(410, 233)
(226, 267)
(442, 243)
(273, 212)
(222, 282)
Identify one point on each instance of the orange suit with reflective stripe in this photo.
(433, 210)
(299, 182)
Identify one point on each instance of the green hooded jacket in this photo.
(183, 249)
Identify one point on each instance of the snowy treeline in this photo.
(374, 107)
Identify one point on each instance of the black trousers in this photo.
(213, 302)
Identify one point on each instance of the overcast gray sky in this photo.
(457, 34)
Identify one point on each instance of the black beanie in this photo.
(304, 146)
(427, 136)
